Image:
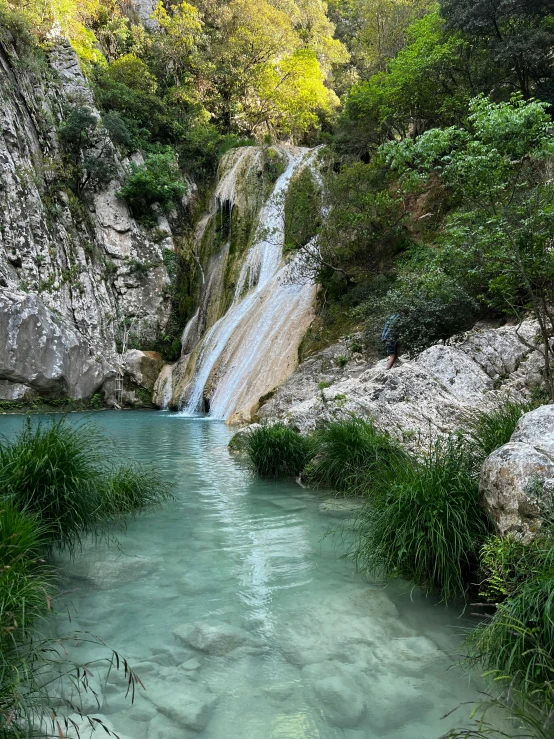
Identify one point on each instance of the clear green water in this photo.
(288, 642)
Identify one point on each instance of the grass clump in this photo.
(515, 644)
(55, 471)
(424, 522)
(62, 475)
(489, 430)
(133, 488)
(350, 455)
(277, 451)
(58, 483)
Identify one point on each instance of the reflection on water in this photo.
(239, 615)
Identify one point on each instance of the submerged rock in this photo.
(340, 690)
(213, 638)
(188, 705)
(517, 480)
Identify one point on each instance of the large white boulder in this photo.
(517, 480)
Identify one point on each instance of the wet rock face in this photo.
(418, 399)
(74, 268)
(517, 480)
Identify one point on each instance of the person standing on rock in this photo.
(388, 337)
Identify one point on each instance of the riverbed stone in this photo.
(217, 638)
(161, 727)
(339, 691)
(187, 704)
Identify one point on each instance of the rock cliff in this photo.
(69, 280)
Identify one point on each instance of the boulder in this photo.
(517, 480)
(339, 689)
(187, 704)
(213, 638)
(142, 368)
(40, 351)
(536, 429)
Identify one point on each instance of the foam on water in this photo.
(287, 642)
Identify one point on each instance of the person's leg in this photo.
(393, 354)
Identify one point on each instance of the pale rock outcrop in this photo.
(418, 399)
(190, 708)
(142, 368)
(517, 480)
(40, 352)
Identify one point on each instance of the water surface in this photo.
(240, 617)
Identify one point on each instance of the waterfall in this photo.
(254, 346)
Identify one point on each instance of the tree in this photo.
(88, 148)
(519, 35)
(499, 239)
(428, 83)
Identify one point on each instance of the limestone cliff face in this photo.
(68, 268)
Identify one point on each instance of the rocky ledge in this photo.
(418, 399)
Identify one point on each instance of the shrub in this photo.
(61, 474)
(350, 454)
(277, 451)
(430, 308)
(158, 181)
(424, 522)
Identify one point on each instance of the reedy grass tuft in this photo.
(350, 455)
(58, 484)
(66, 476)
(424, 521)
(489, 430)
(277, 451)
(55, 471)
(133, 488)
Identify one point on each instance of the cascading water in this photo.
(253, 347)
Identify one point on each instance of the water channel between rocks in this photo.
(235, 609)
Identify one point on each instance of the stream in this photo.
(234, 607)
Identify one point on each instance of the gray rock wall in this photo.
(68, 269)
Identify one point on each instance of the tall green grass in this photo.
(58, 483)
(277, 451)
(489, 430)
(66, 476)
(424, 522)
(350, 455)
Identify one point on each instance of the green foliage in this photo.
(55, 472)
(88, 159)
(302, 210)
(515, 645)
(277, 451)
(350, 456)
(498, 239)
(133, 488)
(431, 307)
(489, 430)
(157, 181)
(424, 522)
(58, 473)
